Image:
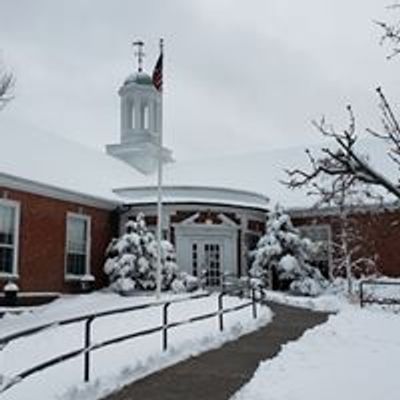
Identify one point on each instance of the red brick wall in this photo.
(379, 233)
(42, 238)
(256, 226)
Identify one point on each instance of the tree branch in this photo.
(342, 160)
(7, 82)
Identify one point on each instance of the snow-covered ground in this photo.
(355, 355)
(335, 297)
(119, 364)
(329, 302)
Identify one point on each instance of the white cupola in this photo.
(141, 117)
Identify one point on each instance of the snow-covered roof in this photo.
(192, 194)
(56, 162)
(41, 158)
(260, 174)
(246, 180)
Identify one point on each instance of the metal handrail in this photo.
(31, 331)
(373, 300)
(88, 347)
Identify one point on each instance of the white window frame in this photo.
(17, 208)
(88, 220)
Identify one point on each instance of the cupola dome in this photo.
(140, 78)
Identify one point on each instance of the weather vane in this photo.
(139, 53)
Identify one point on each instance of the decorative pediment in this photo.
(209, 218)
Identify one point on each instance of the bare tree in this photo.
(343, 163)
(350, 255)
(340, 170)
(7, 82)
(332, 181)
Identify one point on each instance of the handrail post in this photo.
(361, 295)
(221, 311)
(165, 326)
(254, 303)
(2, 376)
(86, 365)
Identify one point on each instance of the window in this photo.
(213, 262)
(132, 116)
(320, 234)
(146, 117)
(155, 117)
(78, 245)
(9, 224)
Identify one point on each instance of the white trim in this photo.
(190, 221)
(196, 194)
(227, 221)
(41, 189)
(88, 220)
(17, 207)
(326, 211)
(9, 276)
(36, 294)
(224, 234)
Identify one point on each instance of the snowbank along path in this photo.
(355, 355)
(218, 374)
(112, 367)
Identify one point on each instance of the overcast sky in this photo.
(240, 76)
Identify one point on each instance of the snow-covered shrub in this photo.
(131, 262)
(282, 258)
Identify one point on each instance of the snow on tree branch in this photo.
(132, 262)
(342, 158)
(284, 256)
(391, 33)
(391, 128)
(341, 177)
(7, 82)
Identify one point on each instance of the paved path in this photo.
(218, 374)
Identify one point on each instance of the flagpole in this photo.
(159, 190)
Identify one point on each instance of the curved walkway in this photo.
(219, 373)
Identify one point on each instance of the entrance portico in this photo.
(207, 247)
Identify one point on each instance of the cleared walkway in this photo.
(218, 374)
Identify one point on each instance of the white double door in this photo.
(208, 261)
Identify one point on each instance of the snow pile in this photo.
(355, 355)
(10, 287)
(327, 301)
(113, 366)
(386, 289)
(282, 259)
(132, 262)
(336, 298)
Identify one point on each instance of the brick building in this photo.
(61, 203)
(374, 234)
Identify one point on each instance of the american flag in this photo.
(157, 73)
